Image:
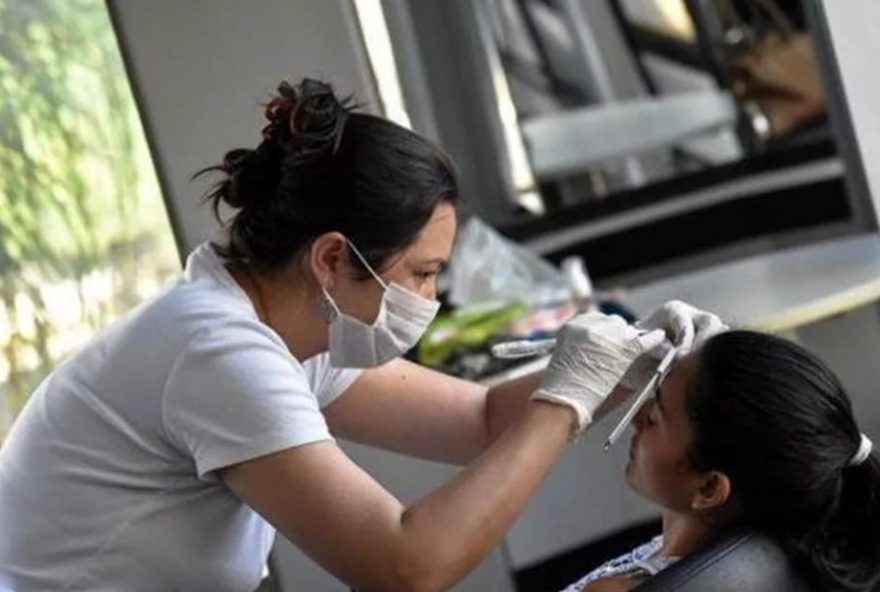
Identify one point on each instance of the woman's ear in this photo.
(327, 256)
(714, 491)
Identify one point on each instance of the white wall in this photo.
(202, 69)
(854, 28)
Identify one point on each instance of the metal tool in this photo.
(524, 348)
(656, 379)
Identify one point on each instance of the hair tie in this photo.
(280, 112)
(862, 454)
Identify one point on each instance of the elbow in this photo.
(398, 583)
(415, 572)
(416, 578)
(404, 574)
(414, 564)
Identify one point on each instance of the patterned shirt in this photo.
(644, 560)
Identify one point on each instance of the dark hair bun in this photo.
(248, 178)
(304, 130)
(307, 121)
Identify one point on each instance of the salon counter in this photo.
(780, 291)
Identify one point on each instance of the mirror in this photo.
(612, 96)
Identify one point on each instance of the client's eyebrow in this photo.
(435, 260)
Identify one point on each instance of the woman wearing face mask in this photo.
(752, 430)
(166, 453)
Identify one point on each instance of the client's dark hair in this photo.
(777, 421)
(322, 167)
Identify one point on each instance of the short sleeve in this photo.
(327, 381)
(235, 393)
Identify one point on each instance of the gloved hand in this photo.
(592, 353)
(686, 327)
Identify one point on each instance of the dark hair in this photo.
(322, 167)
(777, 421)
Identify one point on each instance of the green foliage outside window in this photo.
(84, 234)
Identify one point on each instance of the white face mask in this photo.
(403, 318)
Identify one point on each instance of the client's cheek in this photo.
(643, 473)
(645, 480)
(659, 478)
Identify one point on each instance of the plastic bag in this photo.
(466, 330)
(486, 267)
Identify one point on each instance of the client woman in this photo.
(752, 430)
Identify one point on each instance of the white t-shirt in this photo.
(107, 478)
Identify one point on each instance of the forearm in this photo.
(340, 516)
(507, 402)
(447, 533)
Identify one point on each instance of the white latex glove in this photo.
(592, 353)
(643, 367)
(686, 327)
